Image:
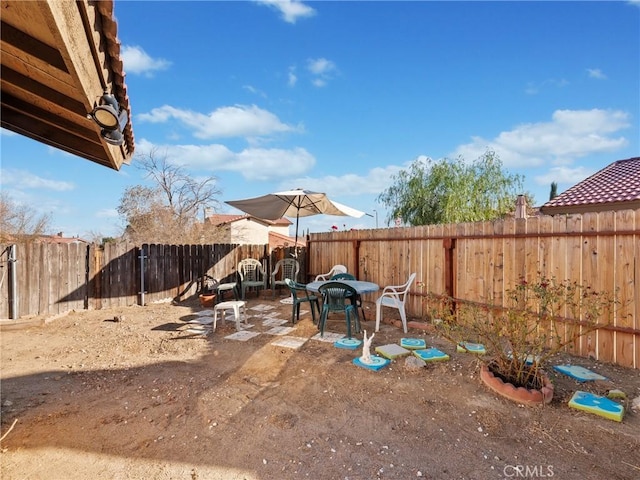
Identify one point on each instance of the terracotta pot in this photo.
(208, 299)
(520, 394)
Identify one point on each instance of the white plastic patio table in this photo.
(359, 286)
(238, 307)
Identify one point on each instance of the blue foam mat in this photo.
(413, 343)
(348, 343)
(469, 347)
(431, 355)
(602, 406)
(379, 363)
(579, 373)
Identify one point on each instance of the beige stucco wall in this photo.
(254, 232)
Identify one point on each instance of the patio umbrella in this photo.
(293, 203)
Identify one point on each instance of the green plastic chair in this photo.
(357, 298)
(299, 294)
(338, 297)
(343, 276)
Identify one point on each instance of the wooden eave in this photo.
(58, 57)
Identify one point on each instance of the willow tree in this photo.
(451, 191)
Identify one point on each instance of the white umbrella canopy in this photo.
(293, 203)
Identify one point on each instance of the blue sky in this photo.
(339, 96)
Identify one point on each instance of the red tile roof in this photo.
(276, 240)
(615, 187)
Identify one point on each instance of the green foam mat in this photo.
(431, 355)
(413, 343)
(469, 347)
(602, 406)
(392, 351)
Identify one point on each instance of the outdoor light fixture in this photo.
(114, 137)
(111, 118)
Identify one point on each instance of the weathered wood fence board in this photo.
(56, 278)
(480, 262)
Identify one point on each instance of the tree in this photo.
(167, 212)
(451, 191)
(554, 191)
(19, 222)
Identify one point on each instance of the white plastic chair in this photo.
(323, 277)
(394, 296)
(289, 268)
(252, 275)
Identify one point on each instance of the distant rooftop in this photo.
(615, 187)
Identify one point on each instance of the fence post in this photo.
(142, 290)
(449, 262)
(13, 283)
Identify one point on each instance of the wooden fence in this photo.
(479, 262)
(476, 262)
(51, 279)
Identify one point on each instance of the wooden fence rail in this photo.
(479, 262)
(51, 279)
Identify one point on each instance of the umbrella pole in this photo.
(295, 245)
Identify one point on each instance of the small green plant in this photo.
(541, 319)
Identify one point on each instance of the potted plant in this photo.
(539, 320)
(208, 291)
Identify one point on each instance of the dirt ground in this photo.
(142, 398)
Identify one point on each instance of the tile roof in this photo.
(616, 185)
(276, 240)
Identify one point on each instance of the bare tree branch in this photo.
(168, 212)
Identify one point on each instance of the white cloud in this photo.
(596, 73)
(322, 69)
(138, 62)
(107, 213)
(375, 181)
(534, 88)
(23, 180)
(570, 134)
(563, 175)
(292, 78)
(320, 66)
(291, 10)
(251, 163)
(254, 90)
(233, 121)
